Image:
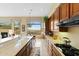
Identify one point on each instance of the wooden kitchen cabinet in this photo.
(68, 10)
(52, 23)
(64, 11)
(56, 19)
(48, 25)
(74, 9)
(21, 52)
(56, 14)
(53, 50)
(59, 15)
(49, 20)
(64, 14)
(26, 50)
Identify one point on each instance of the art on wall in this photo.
(23, 28)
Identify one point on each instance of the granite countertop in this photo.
(12, 47)
(57, 41)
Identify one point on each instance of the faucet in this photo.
(67, 41)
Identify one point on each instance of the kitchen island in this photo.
(14, 46)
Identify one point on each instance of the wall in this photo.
(74, 36)
(4, 30)
(24, 21)
(58, 37)
(10, 21)
(23, 26)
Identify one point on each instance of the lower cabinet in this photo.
(53, 50)
(26, 50)
(56, 52)
(63, 29)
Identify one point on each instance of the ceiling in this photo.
(27, 9)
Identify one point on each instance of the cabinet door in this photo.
(63, 29)
(64, 11)
(21, 52)
(74, 9)
(49, 24)
(52, 23)
(56, 19)
(56, 14)
(46, 26)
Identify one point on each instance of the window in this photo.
(5, 23)
(34, 26)
(17, 26)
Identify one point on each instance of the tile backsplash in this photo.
(72, 34)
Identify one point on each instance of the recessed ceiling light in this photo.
(42, 9)
(29, 12)
(25, 9)
(30, 9)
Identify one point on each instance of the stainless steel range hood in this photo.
(69, 22)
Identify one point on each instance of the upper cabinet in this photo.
(52, 23)
(64, 11)
(48, 25)
(74, 9)
(56, 20)
(56, 14)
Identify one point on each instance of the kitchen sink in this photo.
(68, 50)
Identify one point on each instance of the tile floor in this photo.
(40, 48)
